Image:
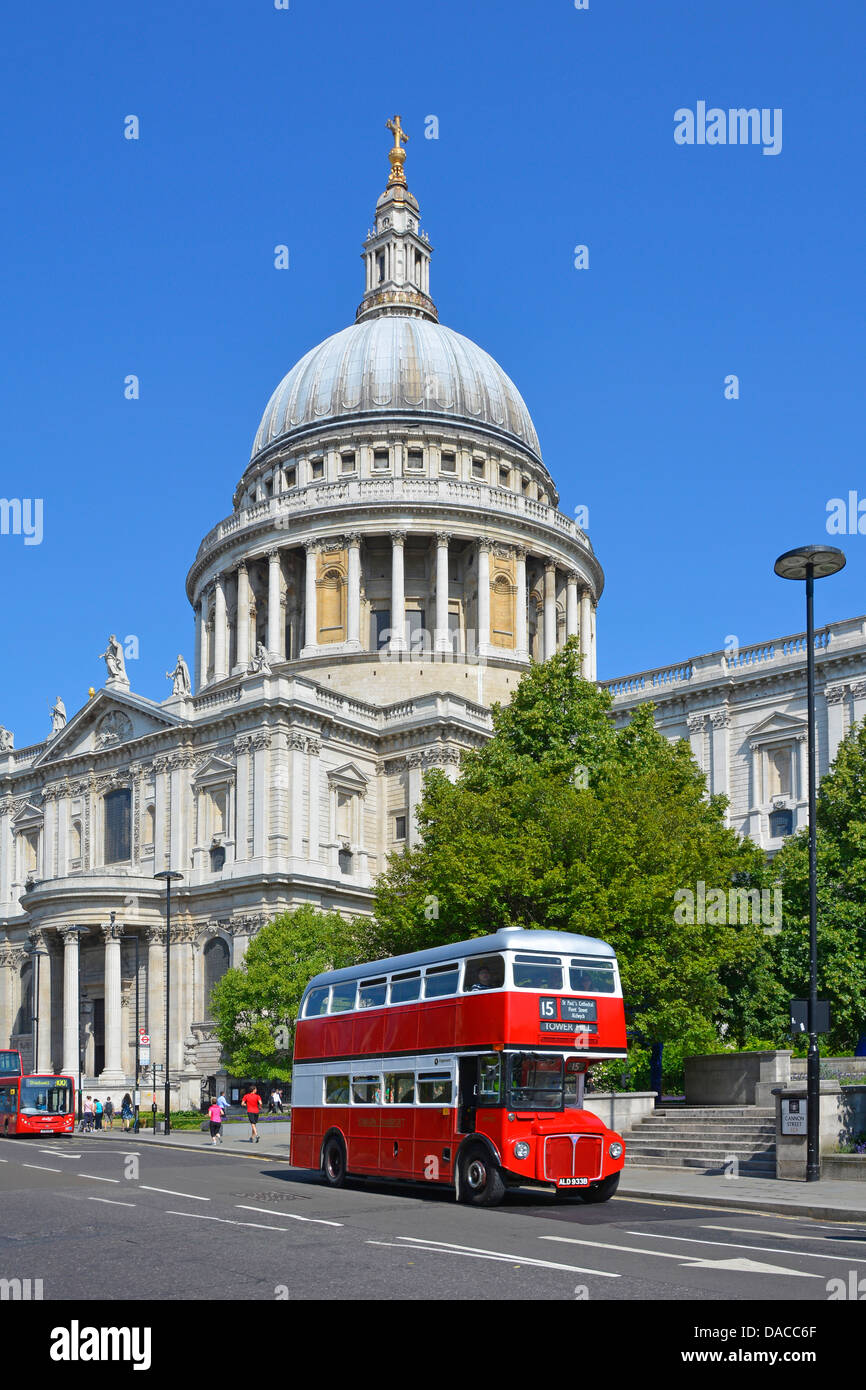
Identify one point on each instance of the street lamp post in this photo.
(811, 562)
(168, 875)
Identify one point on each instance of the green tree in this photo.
(255, 1006)
(562, 822)
(841, 884)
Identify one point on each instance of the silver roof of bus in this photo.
(508, 939)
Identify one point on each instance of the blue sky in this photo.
(260, 127)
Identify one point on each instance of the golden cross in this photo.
(398, 132)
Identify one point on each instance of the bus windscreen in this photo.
(45, 1095)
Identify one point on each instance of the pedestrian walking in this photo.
(275, 1102)
(126, 1111)
(97, 1114)
(222, 1103)
(252, 1101)
(109, 1111)
(215, 1115)
(87, 1115)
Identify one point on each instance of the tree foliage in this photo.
(563, 822)
(255, 1005)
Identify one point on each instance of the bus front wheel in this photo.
(481, 1181)
(334, 1162)
(602, 1191)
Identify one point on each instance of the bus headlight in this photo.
(615, 1150)
(521, 1149)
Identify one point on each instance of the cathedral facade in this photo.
(394, 560)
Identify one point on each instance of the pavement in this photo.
(827, 1200)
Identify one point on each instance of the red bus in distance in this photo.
(35, 1103)
(464, 1065)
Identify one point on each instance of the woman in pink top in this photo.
(215, 1115)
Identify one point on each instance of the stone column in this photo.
(180, 764)
(353, 630)
(549, 610)
(858, 691)
(571, 619)
(313, 750)
(220, 646)
(155, 1004)
(261, 742)
(202, 665)
(242, 660)
(71, 1022)
(243, 760)
(199, 629)
(835, 697)
(398, 593)
(484, 548)
(49, 831)
(696, 724)
(311, 621)
(276, 629)
(593, 647)
(442, 637)
(113, 1072)
(161, 810)
(7, 858)
(6, 1015)
(415, 769)
(522, 629)
(586, 634)
(41, 978)
(296, 784)
(720, 720)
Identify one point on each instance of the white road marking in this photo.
(202, 1216)
(692, 1261)
(289, 1215)
(444, 1247)
(93, 1177)
(780, 1235)
(734, 1245)
(43, 1167)
(56, 1153)
(169, 1193)
(111, 1202)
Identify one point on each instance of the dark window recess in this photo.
(449, 463)
(118, 806)
(318, 468)
(217, 859)
(381, 459)
(781, 823)
(291, 477)
(344, 859)
(399, 827)
(380, 628)
(415, 458)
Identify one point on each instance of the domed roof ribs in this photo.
(397, 253)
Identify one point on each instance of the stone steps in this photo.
(706, 1139)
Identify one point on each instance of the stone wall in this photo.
(735, 1078)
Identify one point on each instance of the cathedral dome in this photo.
(396, 363)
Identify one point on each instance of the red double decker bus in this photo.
(465, 1065)
(35, 1103)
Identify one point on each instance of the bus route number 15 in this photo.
(548, 1008)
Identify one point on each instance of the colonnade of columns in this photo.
(212, 654)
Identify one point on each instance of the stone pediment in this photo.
(216, 769)
(27, 814)
(109, 720)
(776, 725)
(348, 775)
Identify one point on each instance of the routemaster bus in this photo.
(34, 1103)
(464, 1064)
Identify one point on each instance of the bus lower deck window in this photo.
(400, 1088)
(434, 1089)
(337, 1090)
(366, 1090)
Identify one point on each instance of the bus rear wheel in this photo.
(602, 1191)
(334, 1162)
(481, 1180)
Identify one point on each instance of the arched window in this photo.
(216, 963)
(75, 842)
(779, 762)
(117, 808)
(149, 825)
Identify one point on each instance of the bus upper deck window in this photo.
(537, 972)
(592, 976)
(406, 988)
(343, 998)
(441, 980)
(484, 972)
(371, 994)
(317, 1002)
